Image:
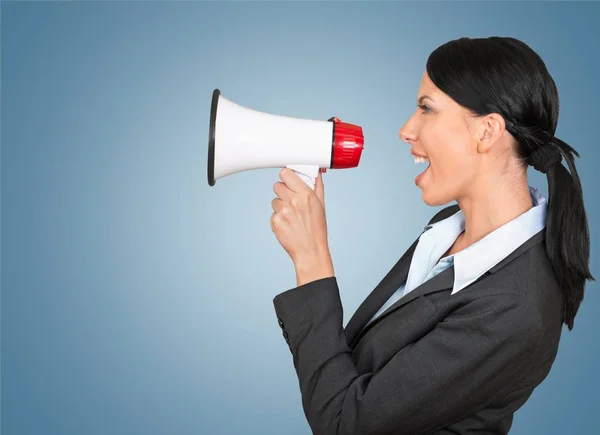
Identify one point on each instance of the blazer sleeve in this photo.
(448, 374)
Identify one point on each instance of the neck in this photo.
(491, 205)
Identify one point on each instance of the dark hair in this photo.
(504, 75)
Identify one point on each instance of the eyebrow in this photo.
(422, 97)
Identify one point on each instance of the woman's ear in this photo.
(490, 128)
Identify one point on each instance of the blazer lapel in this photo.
(442, 281)
(388, 285)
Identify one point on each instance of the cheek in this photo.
(447, 161)
(450, 151)
(457, 165)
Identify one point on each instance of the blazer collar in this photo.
(472, 262)
(355, 329)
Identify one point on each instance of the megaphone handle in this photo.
(308, 173)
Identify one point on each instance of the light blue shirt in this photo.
(473, 261)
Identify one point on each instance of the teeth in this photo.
(421, 159)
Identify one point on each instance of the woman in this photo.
(467, 323)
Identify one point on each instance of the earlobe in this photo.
(484, 145)
(482, 138)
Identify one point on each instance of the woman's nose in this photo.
(407, 133)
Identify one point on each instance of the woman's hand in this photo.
(300, 225)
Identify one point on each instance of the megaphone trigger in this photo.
(307, 173)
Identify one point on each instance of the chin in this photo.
(433, 200)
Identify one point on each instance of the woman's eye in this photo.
(424, 108)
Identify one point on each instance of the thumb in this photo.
(319, 188)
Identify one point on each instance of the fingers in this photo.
(282, 191)
(277, 205)
(292, 180)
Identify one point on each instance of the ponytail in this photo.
(567, 234)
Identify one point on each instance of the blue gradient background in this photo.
(136, 299)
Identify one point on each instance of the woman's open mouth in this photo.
(420, 176)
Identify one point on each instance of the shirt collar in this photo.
(473, 261)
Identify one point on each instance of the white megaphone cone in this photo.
(241, 139)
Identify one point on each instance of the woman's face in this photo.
(439, 130)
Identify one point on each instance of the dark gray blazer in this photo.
(433, 363)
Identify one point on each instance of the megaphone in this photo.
(241, 139)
